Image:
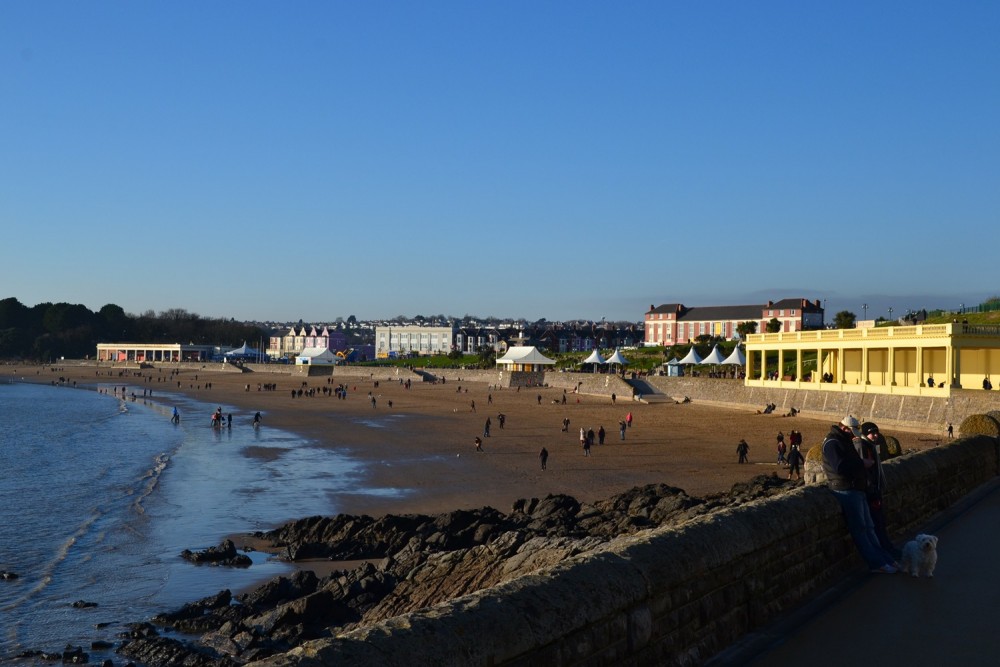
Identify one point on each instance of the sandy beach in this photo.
(420, 454)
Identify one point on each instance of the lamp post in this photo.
(961, 309)
(864, 307)
(890, 313)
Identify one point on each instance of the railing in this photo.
(879, 333)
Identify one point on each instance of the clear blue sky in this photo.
(308, 160)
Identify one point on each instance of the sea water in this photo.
(100, 492)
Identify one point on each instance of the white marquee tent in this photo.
(243, 352)
(317, 356)
(714, 357)
(691, 357)
(737, 357)
(594, 358)
(617, 358)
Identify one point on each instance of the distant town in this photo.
(49, 331)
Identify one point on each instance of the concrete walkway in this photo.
(952, 619)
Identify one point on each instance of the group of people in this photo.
(851, 461)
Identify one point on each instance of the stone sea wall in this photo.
(888, 410)
(669, 596)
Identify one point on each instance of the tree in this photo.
(844, 320)
(773, 326)
(744, 329)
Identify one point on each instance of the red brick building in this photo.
(673, 323)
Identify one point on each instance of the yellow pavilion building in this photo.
(920, 360)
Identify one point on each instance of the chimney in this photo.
(770, 303)
(817, 303)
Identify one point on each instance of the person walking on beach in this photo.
(742, 448)
(587, 439)
(486, 428)
(176, 417)
(583, 436)
(600, 435)
(951, 431)
(479, 444)
(543, 457)
(565, 424)
(795, 461)
(256, 420)
(473, 406)
(628, 419)
(621, 428)
(501, 418)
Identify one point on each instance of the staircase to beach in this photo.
(647, 393)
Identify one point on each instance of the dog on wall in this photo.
(920, 556)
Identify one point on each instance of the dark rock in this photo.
(82, 604)
(8, 576)
(224, 554)
(100, 645)
(424, 560)
(74, 655)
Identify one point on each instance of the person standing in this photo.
(486, 428)
(742, 448)
(543, 457)
(628, 419)
(795, 461)
(782, 449)
(583, 436)
(587, 439)
(565, 424)
(600, 435)
(479, 444)
(951, 431)
(622, 426)
(847, 480)
(501, 418)
(869, 446)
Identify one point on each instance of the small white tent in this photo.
(594, 358)
(714, 357)
(737, 357)
(617, 358)
(317, 356)
(243, 352)
(691, 357)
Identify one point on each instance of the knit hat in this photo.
(868, 428)
(852, 423)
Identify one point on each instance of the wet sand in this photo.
(420, 452)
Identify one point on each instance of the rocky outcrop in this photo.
(423, 560)
(224, 554)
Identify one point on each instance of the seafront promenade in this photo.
(897, 619)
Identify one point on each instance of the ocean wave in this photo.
(149, 481)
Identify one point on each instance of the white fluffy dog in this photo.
(920, 556)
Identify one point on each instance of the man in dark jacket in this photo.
(869, 446)
(846, 476)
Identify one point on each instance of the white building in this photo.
(406, 340)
